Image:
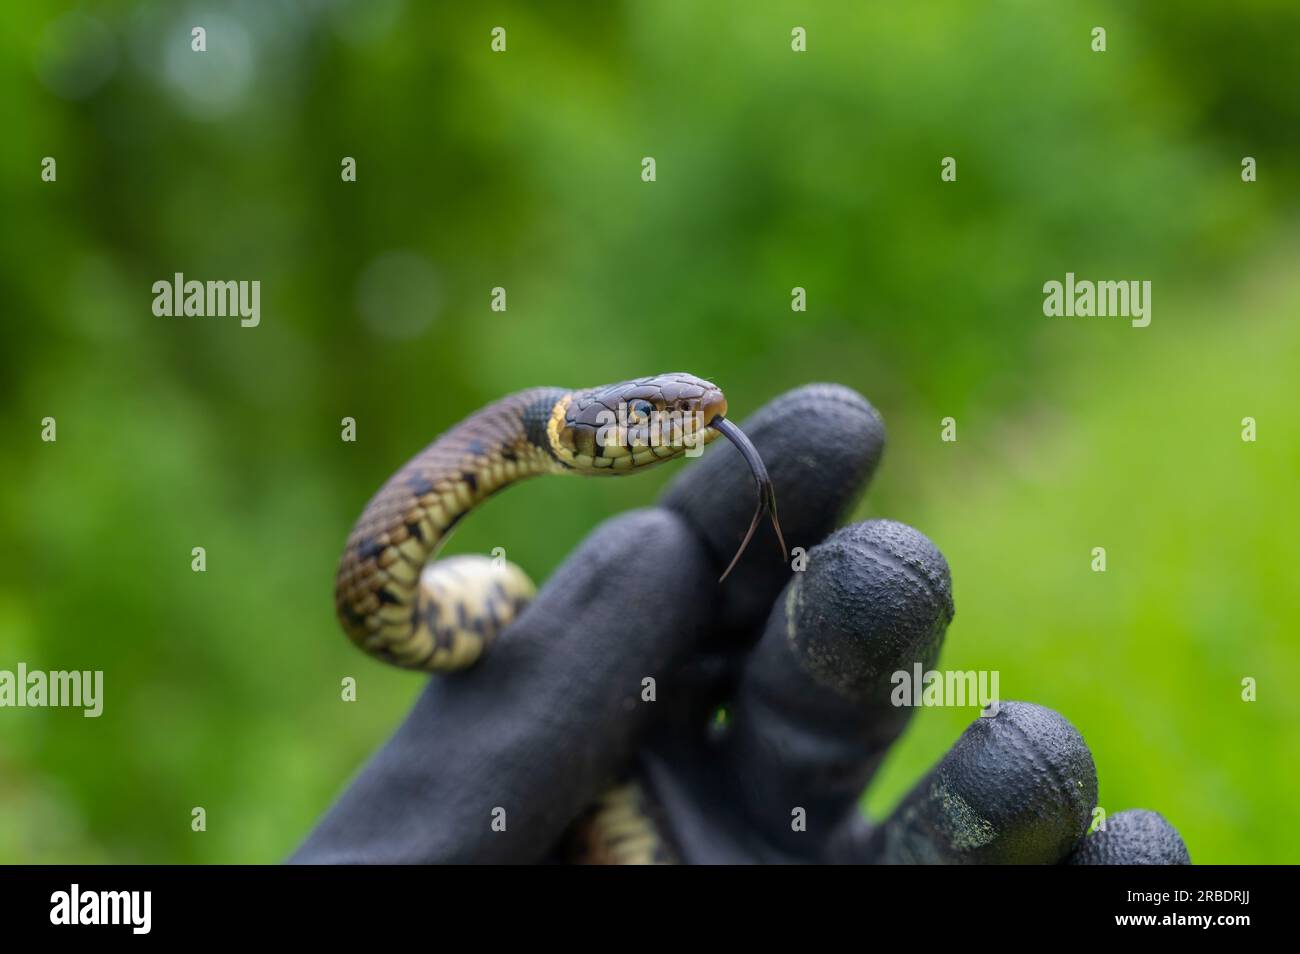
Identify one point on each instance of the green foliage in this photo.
(522, 170)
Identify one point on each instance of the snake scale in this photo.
(399, 605)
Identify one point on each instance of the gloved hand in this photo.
(589, 731)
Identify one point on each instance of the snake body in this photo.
(400, 605)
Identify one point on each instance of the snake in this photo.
(400, 604)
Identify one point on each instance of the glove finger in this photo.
(1133, 837)
(820, 443)
(812, 716)
(1016, 788)
(491, 765)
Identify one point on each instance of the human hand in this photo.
(550, 749)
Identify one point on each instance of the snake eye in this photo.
(641, 409)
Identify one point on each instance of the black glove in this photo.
(550, 748)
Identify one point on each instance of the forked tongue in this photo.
(766, 493)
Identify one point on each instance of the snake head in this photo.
(630, 425)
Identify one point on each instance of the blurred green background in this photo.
(522, 169)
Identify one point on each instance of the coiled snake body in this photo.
(440, 616)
